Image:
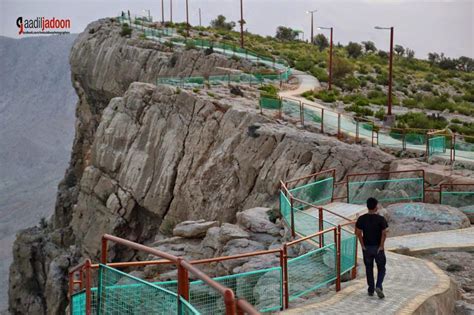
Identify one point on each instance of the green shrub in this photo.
(269, 90)
(190, 45)
(420, 120)
(126, 30)
(327, 96)
(360, 111)
(350, 83)
(410, 102)
(380, 114)
(320, 74)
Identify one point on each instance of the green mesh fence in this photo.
(311, 271)
(290, 108)
(312, 114)
(463, 149)
(348, 250)
(121, 293)
(261, 288)
(285, 207)
(386, 190)
(459, 199)
(392, 139)
(78, 303)
(437, 145)
(316, 193)
(270, 103)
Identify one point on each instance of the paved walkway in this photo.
(409, 281)
(405, 290)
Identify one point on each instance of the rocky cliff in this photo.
(147, 157)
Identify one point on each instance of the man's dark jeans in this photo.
(372, 253)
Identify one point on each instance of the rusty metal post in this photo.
(81, 278)
(183, 280)
(454, 149)
(338, 258)
(354, 270)
(357, 131)
(286, 296)
(321, 227)
(71, 284)
(229, 300)
(339, 126)
(322, 120)
(293, 234)
(103, 259)
(373, 127)
(88, 286)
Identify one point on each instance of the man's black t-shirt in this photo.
(372, 225)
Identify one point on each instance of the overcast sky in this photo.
(425, 26)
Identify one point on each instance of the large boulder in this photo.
(193, 229)
(235, 247)
(411, 218)
(256, 220)
(469, 212)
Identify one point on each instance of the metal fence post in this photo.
(354, 270)
(229, 300)
(321, 227)
(322, 120)
(357, 131)
(88, 286)
(293, 234)
(284, 264)
(103, 259)
(339, 126)
(338, 258)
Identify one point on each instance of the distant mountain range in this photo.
(37, 105)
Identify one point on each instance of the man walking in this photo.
(371, 230)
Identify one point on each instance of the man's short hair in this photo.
(372, 203)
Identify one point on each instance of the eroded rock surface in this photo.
(147, 157)
(412, 218)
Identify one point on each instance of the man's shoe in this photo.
(370, 293)
(379, 293)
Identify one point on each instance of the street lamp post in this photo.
(330, 55)
(242, 22)
(200, 17)
(312, 23)
(162, 12)
(389, 119)
(187, 19)
(171, 11)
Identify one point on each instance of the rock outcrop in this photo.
(412, 218)
(147, 157)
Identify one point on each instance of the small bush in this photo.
(126, 30)
(190, 45)
(380, 114)
(327, 96)
(360, 111)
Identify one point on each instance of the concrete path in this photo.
(409, 282)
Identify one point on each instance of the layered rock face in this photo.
(147, 157)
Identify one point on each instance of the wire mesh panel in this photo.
(392, 139)
(330, 121)
(437, 145)
(312, 114)
(285, 207)
(348, 248)
(386, 190)
(121, 293)
(261, 288)
(78, 303)
(464, 148)
(270, 103)
(290, 108)
(311, 271)
(317, 193)
(459, 199)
